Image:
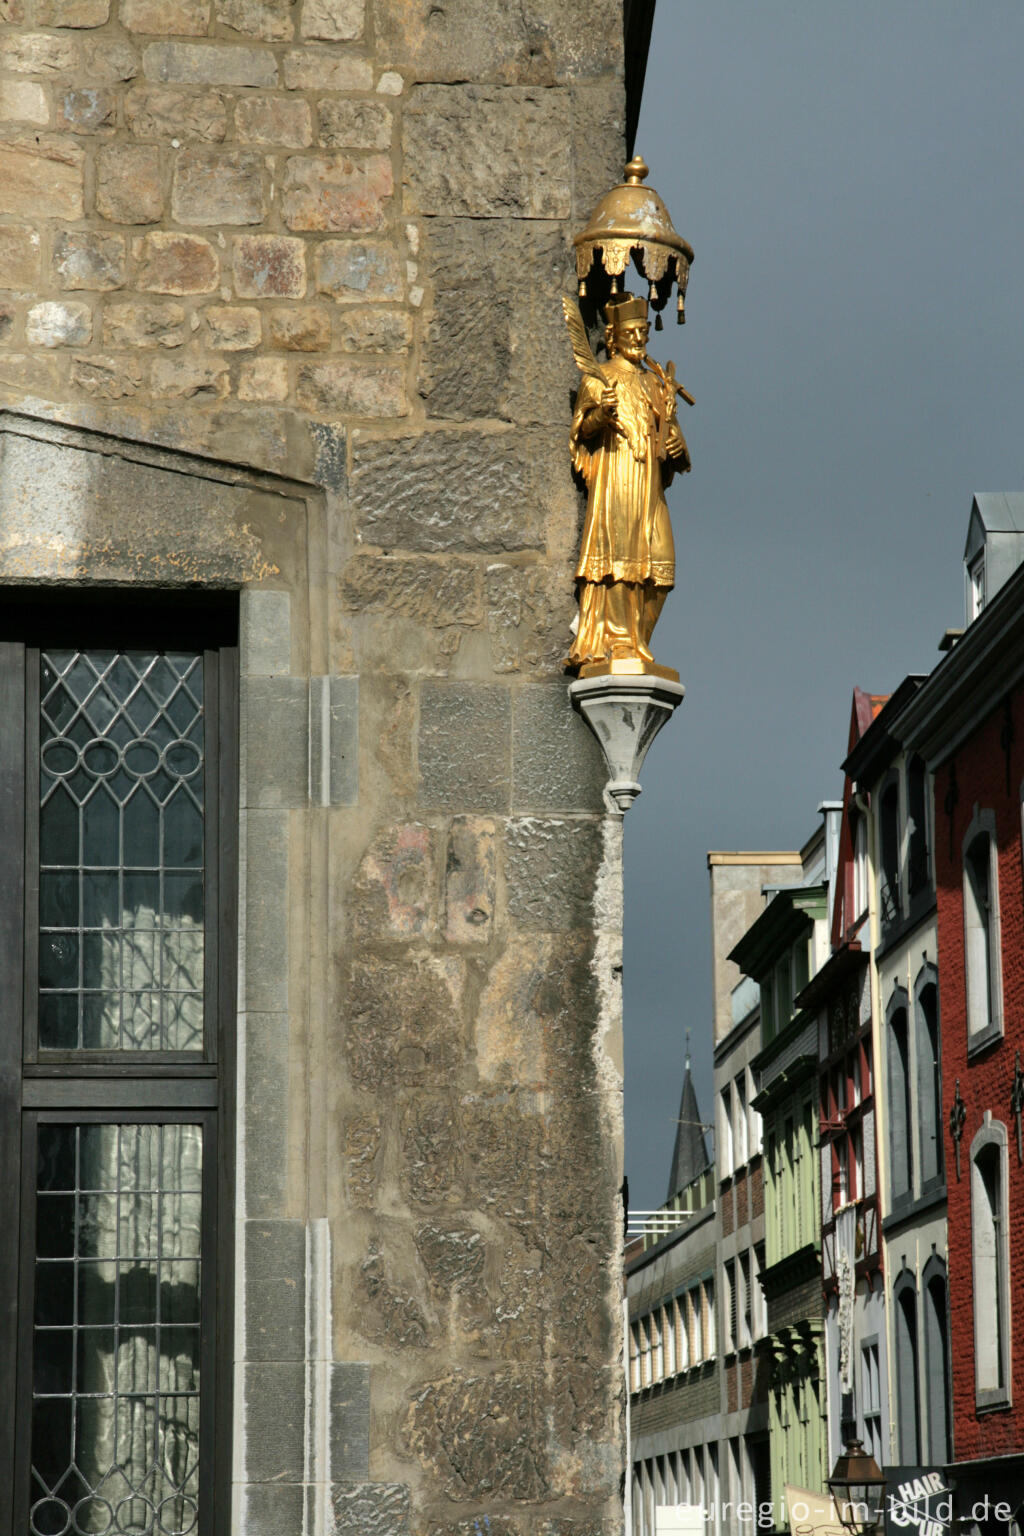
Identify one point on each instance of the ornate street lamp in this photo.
(858, 1488)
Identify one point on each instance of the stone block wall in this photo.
(279, 311)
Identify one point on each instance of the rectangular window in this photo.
(739, 1097)
(746, 1302)
(117, 813)
(871, 1397)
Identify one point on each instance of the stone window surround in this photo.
(992, 1134)
(901, 1124)
(99, 510)
(980, 1035)
(935, 1274)
(905, 1298)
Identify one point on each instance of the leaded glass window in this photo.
(118, 802)
(121, 850)
(117, 1369)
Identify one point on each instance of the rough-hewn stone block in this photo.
(373, 330)
(510, 1462)
(354, 124)
(144, 325)
(433, 593)
(109, 59)
(371, 1509)
(129, 183)
(72, 13)
(529, 610)
(166, 18)
(270, 19)
(333, 192)
(394, 894)
(44, 172)
(24, 101)
(401, 1019)
(175, 263)
(277, 121)
(446, 492)
(19, 255)
(355, 271)
(326, 69)
(37, 53)
(539, 44)
(208, 64)
(362, 1143)
(29, 373)
(334, 21)
(7, 316)
(263, 379)
(183, 376)
(496, 345)
(88, 110)
(351, 389)
(270, 267)
(488, 152)
(217, 187)
(470, 881)
(465, 746)
(232, 327)
(160, 112)
(558, 764)
(307, 329)
(551, 868)
(106, 378)
(55, 324)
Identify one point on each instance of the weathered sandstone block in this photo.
(218, 187)
(307, 329)
(175, 263)
(487, 152)
(270, 19)
(348, 388)
(158, 112)
(334, 21)
(208, 64)
(88, 110)
(232, 327)
(129, 183)
(333, 192)
(373, 330)
(325, 69)
(42, 173)
(58, 324)
(19, 255)
(269, 267)
(355, 271)
(354, 124)
(24, 101)
(276, 121)
(144, 325)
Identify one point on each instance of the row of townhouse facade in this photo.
(869, 1163)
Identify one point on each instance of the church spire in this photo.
(690, 1155)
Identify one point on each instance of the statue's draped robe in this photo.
(627, 557)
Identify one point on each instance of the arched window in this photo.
(936, 1360)
(918, 880)
(991, 1264)
(908, 1410)
(929, 1079)
(898, 1052)
(889, 840)
(981, 927)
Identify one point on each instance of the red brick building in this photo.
(967, 721)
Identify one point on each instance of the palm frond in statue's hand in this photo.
(582, 351)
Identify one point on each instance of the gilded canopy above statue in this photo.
(632, 223)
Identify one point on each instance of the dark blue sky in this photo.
(852, 181)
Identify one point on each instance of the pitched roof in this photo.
(690, 1155)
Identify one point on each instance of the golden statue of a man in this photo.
(626, 443)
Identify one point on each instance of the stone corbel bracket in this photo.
(625, 714)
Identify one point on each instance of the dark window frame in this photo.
(48, 1086)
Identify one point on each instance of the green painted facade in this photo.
(779, 951)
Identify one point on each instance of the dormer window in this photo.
(976, 587)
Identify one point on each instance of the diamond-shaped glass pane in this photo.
(121, 839)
